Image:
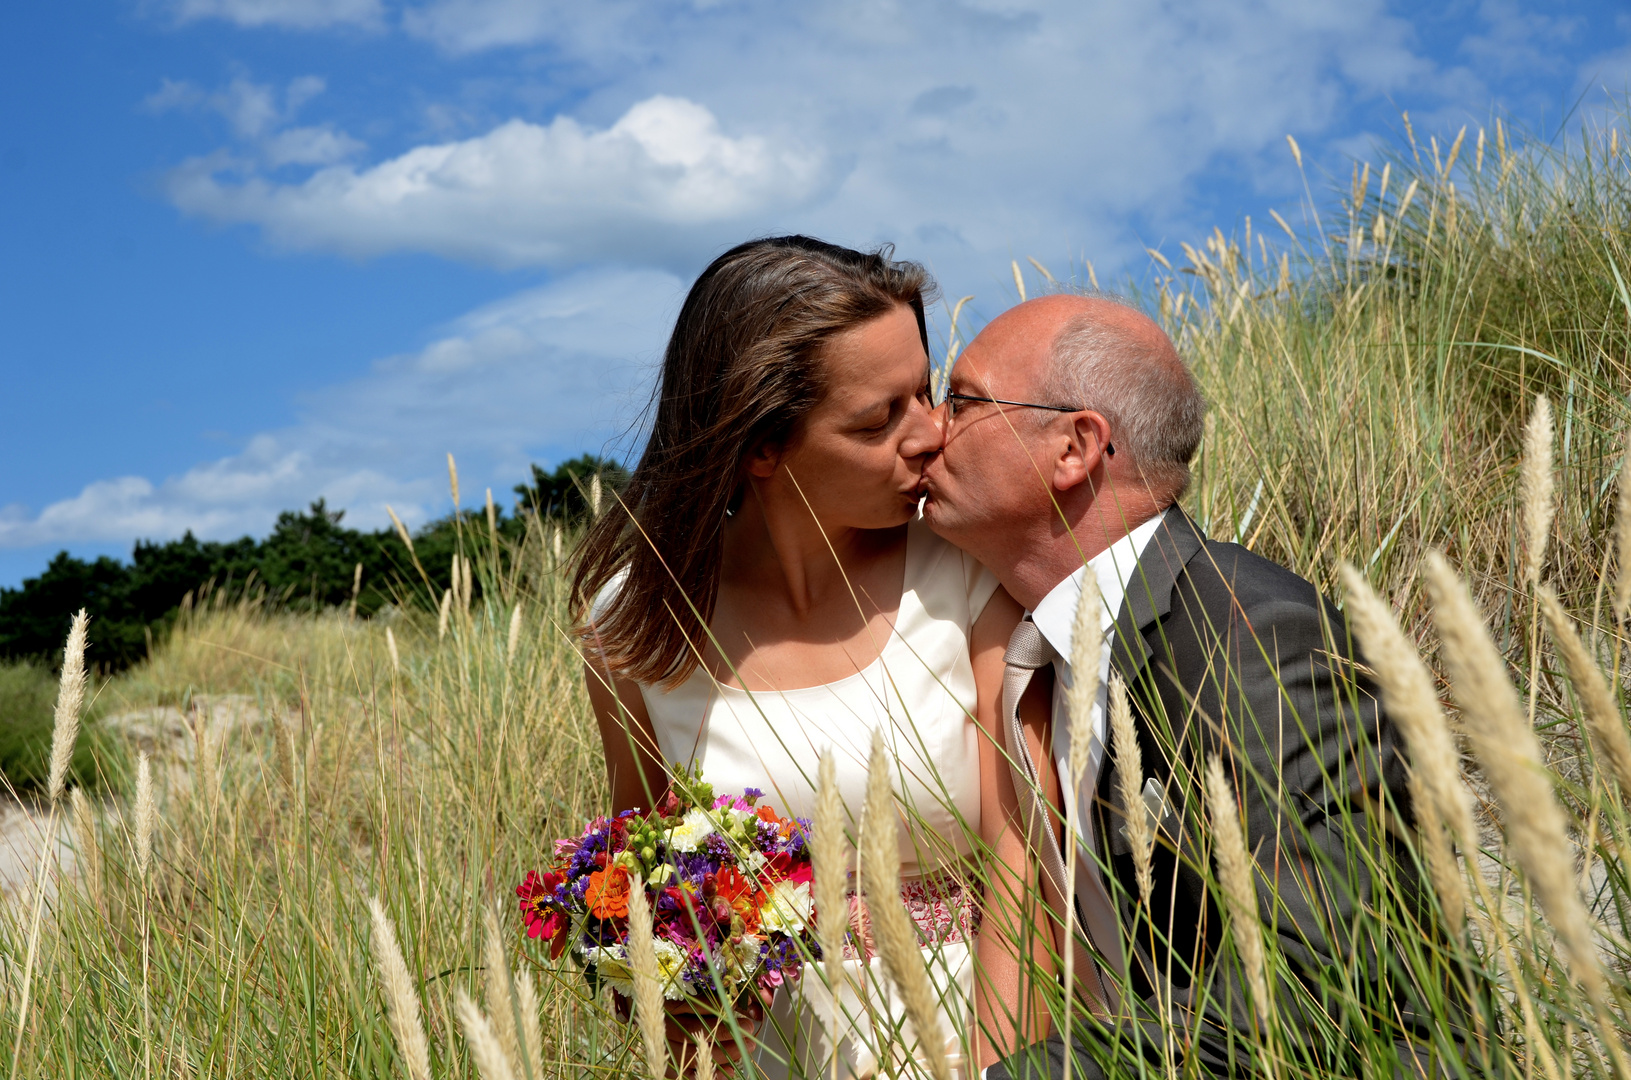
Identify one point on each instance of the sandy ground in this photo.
(165, 733)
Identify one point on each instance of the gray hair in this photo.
(1156, 411)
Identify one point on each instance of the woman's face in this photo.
(859, 457)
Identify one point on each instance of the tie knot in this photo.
(1027, 648)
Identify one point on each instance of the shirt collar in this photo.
(1055, 616)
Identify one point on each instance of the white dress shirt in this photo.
(1055, 616)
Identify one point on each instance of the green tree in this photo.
(565, 492)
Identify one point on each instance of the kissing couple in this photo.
(812, 548)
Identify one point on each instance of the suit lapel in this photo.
(1147, 599)
(1148, 596)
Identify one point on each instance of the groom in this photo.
(1071, 423)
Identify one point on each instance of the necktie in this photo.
(1028, 651)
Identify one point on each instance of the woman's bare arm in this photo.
(1009, 1005)
(634, 767)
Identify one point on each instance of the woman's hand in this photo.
(691, 1024)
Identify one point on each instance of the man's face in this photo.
(986, 486)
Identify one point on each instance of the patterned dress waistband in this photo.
(943, 907)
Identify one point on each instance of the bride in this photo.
(765, 591)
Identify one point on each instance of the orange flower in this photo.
(784, 826)
(608, 893)
(739, 892)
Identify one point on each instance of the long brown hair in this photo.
(741, 371)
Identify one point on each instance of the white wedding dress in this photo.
(920, 692)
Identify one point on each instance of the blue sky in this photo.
(261, 251)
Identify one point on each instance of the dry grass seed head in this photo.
(1130, 783)
(390, 647)
(1235, 875)
(1511, 754)
(514, 642)
(70, 700)
(1535, 488)
(1603, 719)
(1412, 704)
(704, 1059)
(828, 858)
(532, 1036)
(1086, 651)
(648, 986)
(496, 985)
(441, 615)
(401, 996)
(146, 816)
(896, 936)
(485, 1048)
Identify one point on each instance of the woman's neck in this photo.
(774, 542)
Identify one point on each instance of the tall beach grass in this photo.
(1372, 370)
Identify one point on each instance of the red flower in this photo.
(543, 915)
(553, 930)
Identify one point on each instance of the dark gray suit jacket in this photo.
(1224, 652)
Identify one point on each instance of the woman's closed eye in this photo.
(877, 423)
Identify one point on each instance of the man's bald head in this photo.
(1103, 354)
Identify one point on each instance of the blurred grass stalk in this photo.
(1371, 378)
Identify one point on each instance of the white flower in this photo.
(612, 967)
(788, 907)
(753, 860)
(670, 966)
(692, 830)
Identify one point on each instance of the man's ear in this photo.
(1081, 451)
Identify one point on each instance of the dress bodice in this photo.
(919, 691)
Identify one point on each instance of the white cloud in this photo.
(259, 119)
(663, 176)
(309, 146)
(965, 131)
(294, 14)
(542, 375)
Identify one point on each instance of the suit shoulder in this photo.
(1223, 572)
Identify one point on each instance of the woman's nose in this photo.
(925, 430)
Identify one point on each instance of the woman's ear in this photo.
(763, 460)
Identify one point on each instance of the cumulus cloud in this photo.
(539, 376)
(962, 130)
(294, 14)
(664, 175)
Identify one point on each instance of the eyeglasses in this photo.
(952, 399)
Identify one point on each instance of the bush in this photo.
(28, 693)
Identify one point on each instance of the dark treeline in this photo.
(308, 562)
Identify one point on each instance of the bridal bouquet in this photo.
(727, 880)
